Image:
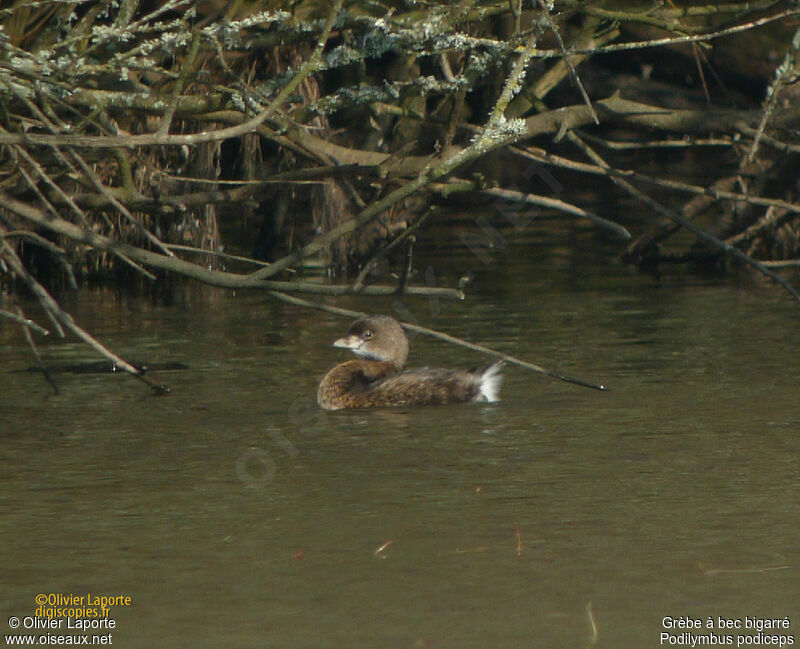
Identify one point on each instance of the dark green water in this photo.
(234, 513)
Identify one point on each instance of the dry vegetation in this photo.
(133, 133)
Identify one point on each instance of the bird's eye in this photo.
(367, 334)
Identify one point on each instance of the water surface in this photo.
(235, 513)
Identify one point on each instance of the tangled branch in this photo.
(126, 132)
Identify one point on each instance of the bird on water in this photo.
(377, 379)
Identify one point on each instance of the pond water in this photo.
(234, 513)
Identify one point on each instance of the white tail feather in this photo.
(489, 383)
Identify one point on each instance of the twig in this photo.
(739, 571)
(540, 88)
(518, 539)
(644, 244)
(381, 549)
(787, 73)
(658, 42)
(180, 82)
(593, 624)
(58, 253)
(25, 322)
(59, 315)
(441, 336)
(215, 253)
(561, 206)
(45, 371)
(772, 219)
(683, 143)
(775, 143)
(505, 357)
(782, 263)
(359, 281)
(512, 83)
(533, 199)
(402, 286)
(666, 17)
(568, 62)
